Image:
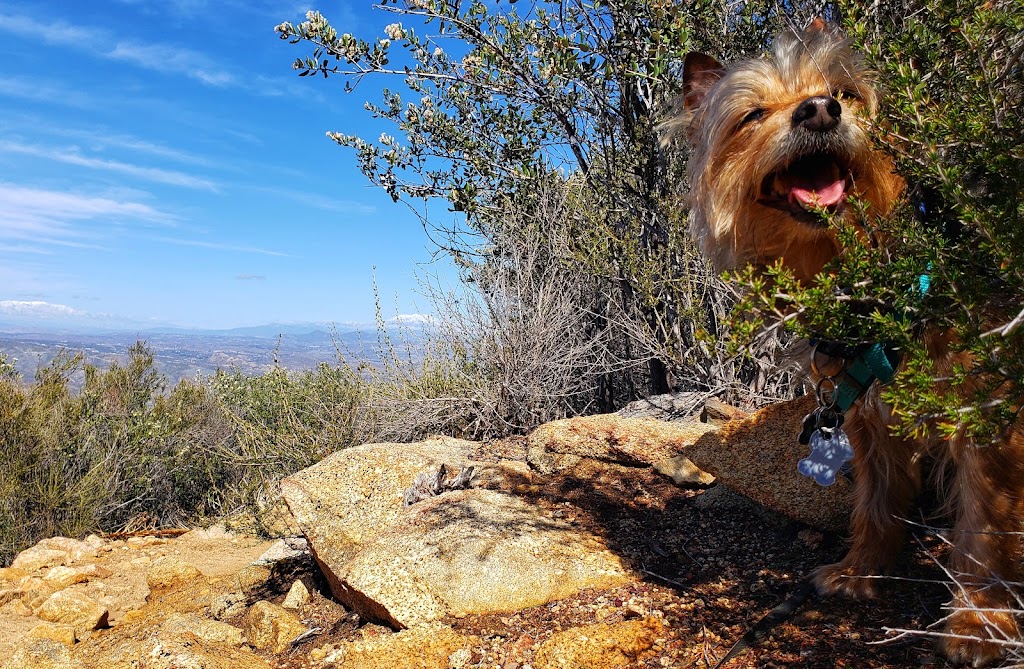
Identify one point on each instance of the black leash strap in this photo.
(784, 611)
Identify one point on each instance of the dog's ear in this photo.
(700, 72)
(817, 25)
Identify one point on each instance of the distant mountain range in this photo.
(34, 332)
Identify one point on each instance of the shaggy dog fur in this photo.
(771, 139)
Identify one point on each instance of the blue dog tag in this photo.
(830, 450)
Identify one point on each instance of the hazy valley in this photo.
(188, 353)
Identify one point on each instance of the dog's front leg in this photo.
(985, 560)
(886, 481)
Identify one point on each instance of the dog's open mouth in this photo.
(813, 181)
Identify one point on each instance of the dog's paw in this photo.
(842, 579)
(972, 635)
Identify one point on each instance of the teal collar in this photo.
(877, 362)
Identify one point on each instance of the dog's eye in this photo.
(846, 94)
(755, 115)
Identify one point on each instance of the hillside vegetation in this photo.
(534, 128)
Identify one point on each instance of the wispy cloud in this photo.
(72, 156)
(108, 140)
(219, 246)
(40, 309)
(172, 59)
(54, 32)
(33, 218)
(24, 88)
(320, 201)
(250, 277)
(166, 58)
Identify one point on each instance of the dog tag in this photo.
(830, 450)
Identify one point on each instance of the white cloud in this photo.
(56, 32)
(106, 140)
(32, 218)
(39, 309)
(72, 156)
(166, 58)
(172, 59)
(413, 320)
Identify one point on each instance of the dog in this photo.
(771, 142)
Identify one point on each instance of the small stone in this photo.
(168, 571)
(133, 616)
(63, 577)
(75, 549)
(58, 632)
(251, 578)
(94, 541)
(75, 609)
(268, 626)
(600, 645)
(460, 658)
(37, 557)
(297, 597)
(144, 542)
(227, 605)
(95, 571)
(179, 624)
(20, 608)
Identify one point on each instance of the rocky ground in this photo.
(686, 571)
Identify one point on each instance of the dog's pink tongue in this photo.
(822, 195)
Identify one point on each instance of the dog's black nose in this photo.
(818, 114)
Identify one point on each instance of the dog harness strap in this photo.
(876, 362)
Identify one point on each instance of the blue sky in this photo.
(160, 161)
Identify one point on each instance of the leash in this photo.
(781, 613)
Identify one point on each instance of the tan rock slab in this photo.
(601, 645)
(474, 552)
(758, 457)
(462, 552)
(74, 609)
(425, 647)
(58, 632)
(612, 438)
(43, 654)
(268, 626)
(353, 495)
(169, 571)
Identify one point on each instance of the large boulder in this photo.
(613, 438)
(462, 552)
(758, 457)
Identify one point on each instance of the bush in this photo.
(94, 459)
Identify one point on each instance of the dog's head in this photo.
(772, 139)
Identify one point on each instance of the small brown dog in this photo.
(771, 140)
